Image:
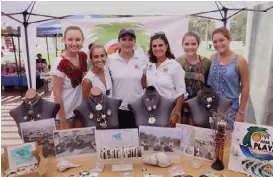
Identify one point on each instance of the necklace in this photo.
(31, 109)
(222, 58)
(99, 111)
(209, 100)
(151, 106)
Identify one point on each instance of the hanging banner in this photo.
(105, 31)
(251, 150)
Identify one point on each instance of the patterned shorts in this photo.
(231, 119)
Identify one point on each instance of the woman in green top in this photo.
(196, 68)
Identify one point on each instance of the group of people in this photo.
(125, 74)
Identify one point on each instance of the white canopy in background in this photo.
(43, 10)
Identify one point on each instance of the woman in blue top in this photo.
(229, 75)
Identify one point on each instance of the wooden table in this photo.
(138, 166)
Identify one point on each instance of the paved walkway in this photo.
(9, 130)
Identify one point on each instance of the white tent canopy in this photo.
(35, 12)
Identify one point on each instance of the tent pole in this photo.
(19, 56)
(56, 43)
(25, 23)
(225, 16)
(16, 63)
(49, 67)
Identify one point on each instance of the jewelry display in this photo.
(218, 122)
(98, 106)
(21, 170)
(151, 106)
(84, 174)
(63, 165)
(208, 99)
(31, 105)
(118, 153)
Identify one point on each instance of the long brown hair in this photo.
(163, 37)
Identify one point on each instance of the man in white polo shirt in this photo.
(127, 70)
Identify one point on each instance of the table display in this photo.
(151, 109)
(150, 151)
(99, 110)
(33, 108)
(140, 169)
(204, 104)
(13, 80)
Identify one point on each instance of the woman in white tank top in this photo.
(98, 75)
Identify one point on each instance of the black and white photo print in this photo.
(41, 132)
(74, 142)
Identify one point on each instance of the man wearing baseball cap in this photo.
(127, 70)
(127, 31)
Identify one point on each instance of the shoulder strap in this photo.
(235, 60)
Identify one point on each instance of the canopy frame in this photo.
(224, 11)
(26, 22)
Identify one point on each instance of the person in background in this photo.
(196, 70)
(127, 69)
(98, 75)
(229, 75)
(166, 74)
(41, 63)
(67, 74)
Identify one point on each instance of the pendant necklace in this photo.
(31, 109)
(210, 101)
(151, 106)
(99, 110)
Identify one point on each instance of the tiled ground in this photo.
(9, 130)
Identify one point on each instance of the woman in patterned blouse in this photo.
(67, 73)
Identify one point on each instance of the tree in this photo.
(203, 27)
(238, 27)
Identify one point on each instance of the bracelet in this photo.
(241, 112)
(177, 113)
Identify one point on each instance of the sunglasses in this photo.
(159, 33)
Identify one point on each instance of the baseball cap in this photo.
(126, 31)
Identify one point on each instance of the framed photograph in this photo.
(198, 142)
(21, 155)
(75, 142)
(160, 139)
(116, 138)
(187, 139)
(41, 132)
